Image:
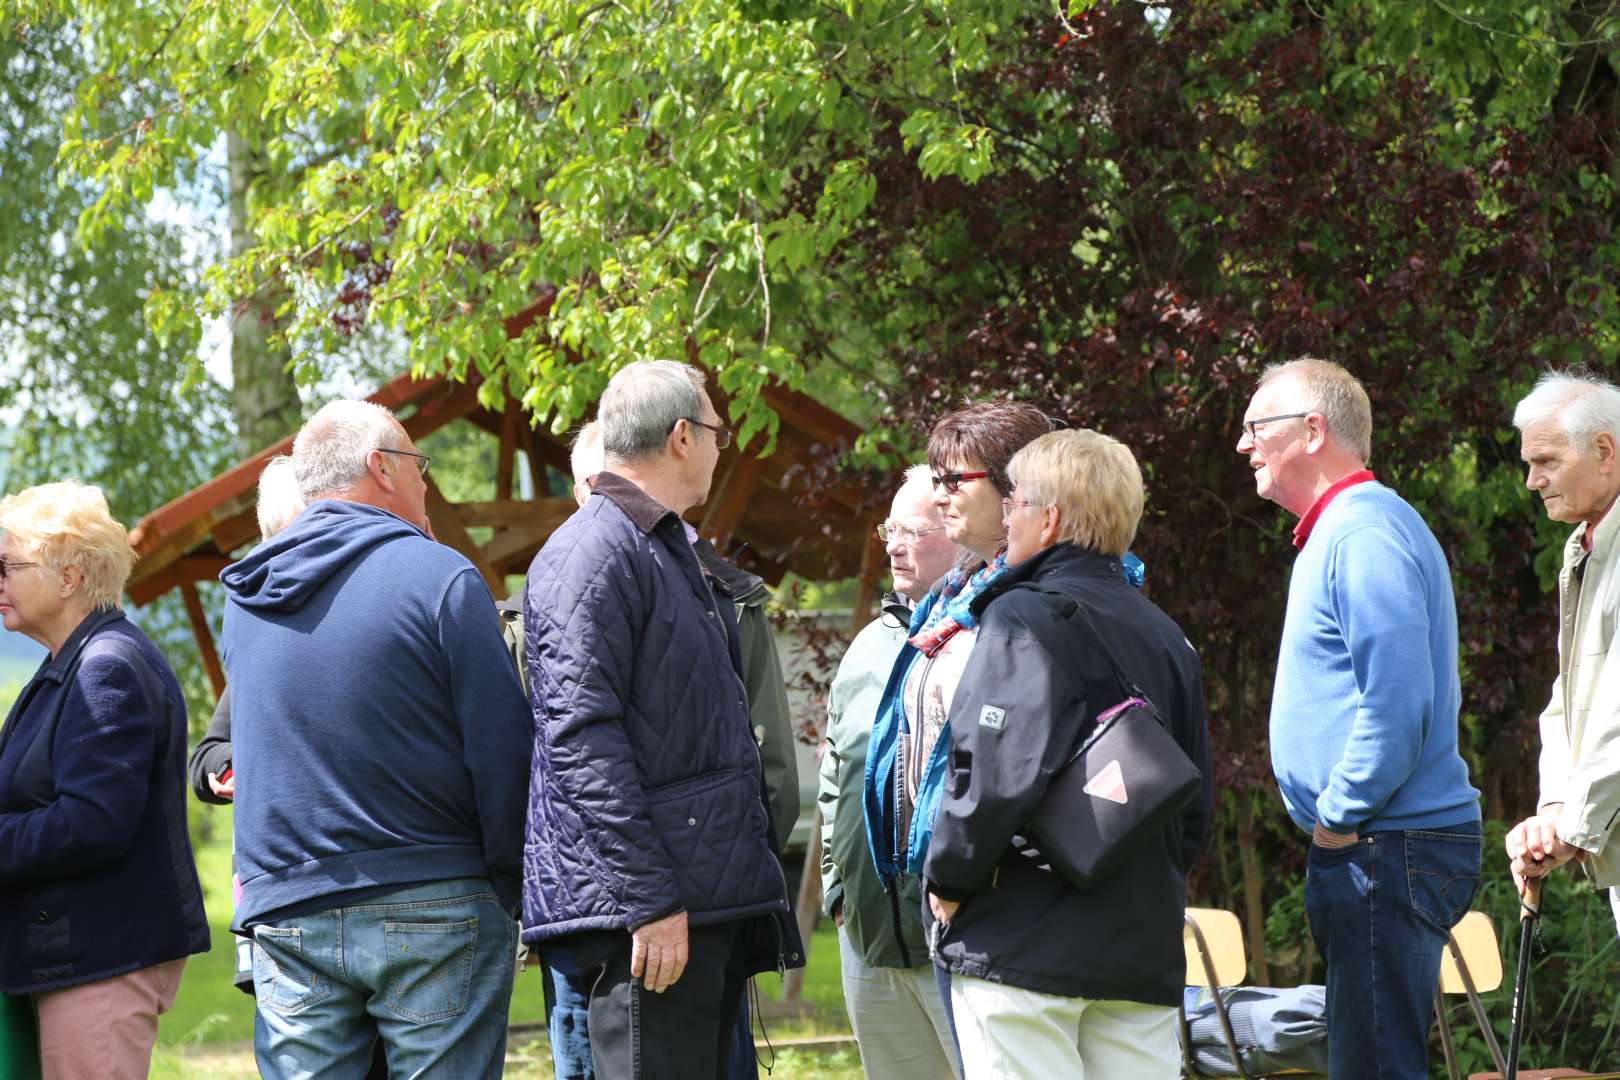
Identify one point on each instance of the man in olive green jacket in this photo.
(889, 989)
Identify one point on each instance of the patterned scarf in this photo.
(940, 615)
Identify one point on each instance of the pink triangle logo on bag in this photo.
(1108, 784)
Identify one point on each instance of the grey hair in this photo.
(1584, 404)
(279, 498)
(586, 458)
(1335, 393)
(641, 404)
(329, 454)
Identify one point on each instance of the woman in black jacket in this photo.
(1049, 980)
(99, 901)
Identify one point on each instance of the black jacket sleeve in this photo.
(1012, 722)
(213, 753)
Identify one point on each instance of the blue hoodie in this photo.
(381, 737)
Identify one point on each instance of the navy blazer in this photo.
(96, 873)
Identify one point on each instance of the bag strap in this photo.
(1070, 609)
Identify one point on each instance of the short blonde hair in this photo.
(587, 459)
(1092, 479)
(1331, 390)
(280, 501)
(68, 524)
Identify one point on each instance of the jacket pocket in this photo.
(705, 824)
(48, 933)
(283, 980)
(1442, 874)
(430, 968)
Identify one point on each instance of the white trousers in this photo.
(1614, 902)
(898, 1017)
(1007, 1033)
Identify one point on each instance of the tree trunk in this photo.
(264, 395)
(1254, 905)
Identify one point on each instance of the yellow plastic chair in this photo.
(1471, 965)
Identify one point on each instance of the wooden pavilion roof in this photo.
(758, 510)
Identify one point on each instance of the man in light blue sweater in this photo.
(1364, 719)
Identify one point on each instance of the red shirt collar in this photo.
(1302, 531)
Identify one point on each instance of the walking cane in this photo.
(1529, 914)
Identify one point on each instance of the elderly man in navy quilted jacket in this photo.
(650, 872)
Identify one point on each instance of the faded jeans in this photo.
(428, 968)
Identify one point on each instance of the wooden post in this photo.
(452, 532)
(508, 453)
(205, 639)
(807, 909)
(866, 593)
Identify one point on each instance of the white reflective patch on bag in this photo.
(1108, 784)
(993, 718)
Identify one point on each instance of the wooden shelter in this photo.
(758, 510)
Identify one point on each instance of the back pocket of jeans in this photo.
(282, 979)
(1442, 874)
(429, 968)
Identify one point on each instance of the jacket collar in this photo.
(731, 579)
(1058, 561)
(644, 511)
(56, 670)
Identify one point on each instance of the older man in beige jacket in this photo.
(1569, 429)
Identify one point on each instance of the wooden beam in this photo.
(516, 513)
(452, 531)
(507, 454)
(546, 450)
(180, 572)
(236, 530)
(727, 506)
(205, 639)
(455, 401)
(510, 543)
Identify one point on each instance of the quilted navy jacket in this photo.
(647, 797)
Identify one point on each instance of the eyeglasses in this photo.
(904, 534)
(9, 565)
(1250, 425)
(951, 481)
(1009, 505)
(422, 460)
(722, 436)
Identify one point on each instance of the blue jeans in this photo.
(428, 968)
(1381, 911)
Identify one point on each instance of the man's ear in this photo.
(1604, 450)
(377, 469)
(680, 439)
(1316, 433)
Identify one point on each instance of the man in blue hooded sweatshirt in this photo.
(381, 750)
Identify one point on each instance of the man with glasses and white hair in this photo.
(1364, 719)
(890, 992)
(382, 742)
(650, 873)
(1569, 429)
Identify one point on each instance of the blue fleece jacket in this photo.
(380, 735)
(1364, 714)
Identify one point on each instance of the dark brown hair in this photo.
(988, 432)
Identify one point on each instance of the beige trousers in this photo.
(105, 1030)
(1008, 1034)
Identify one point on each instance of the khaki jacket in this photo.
(1580, 728)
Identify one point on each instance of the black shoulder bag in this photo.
(1123, 782)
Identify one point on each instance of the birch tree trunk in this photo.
(264, 395)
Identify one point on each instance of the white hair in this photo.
(587, 459)
(641, 404)
(279, 498)
(1584, 406)
(329, 454)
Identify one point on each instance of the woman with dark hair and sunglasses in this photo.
(99, 901)
(968, 451)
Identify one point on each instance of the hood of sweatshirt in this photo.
(282, 573)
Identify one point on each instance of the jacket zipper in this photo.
(894, 914)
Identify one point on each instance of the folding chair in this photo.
(1216, 958)
(1472, 965)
